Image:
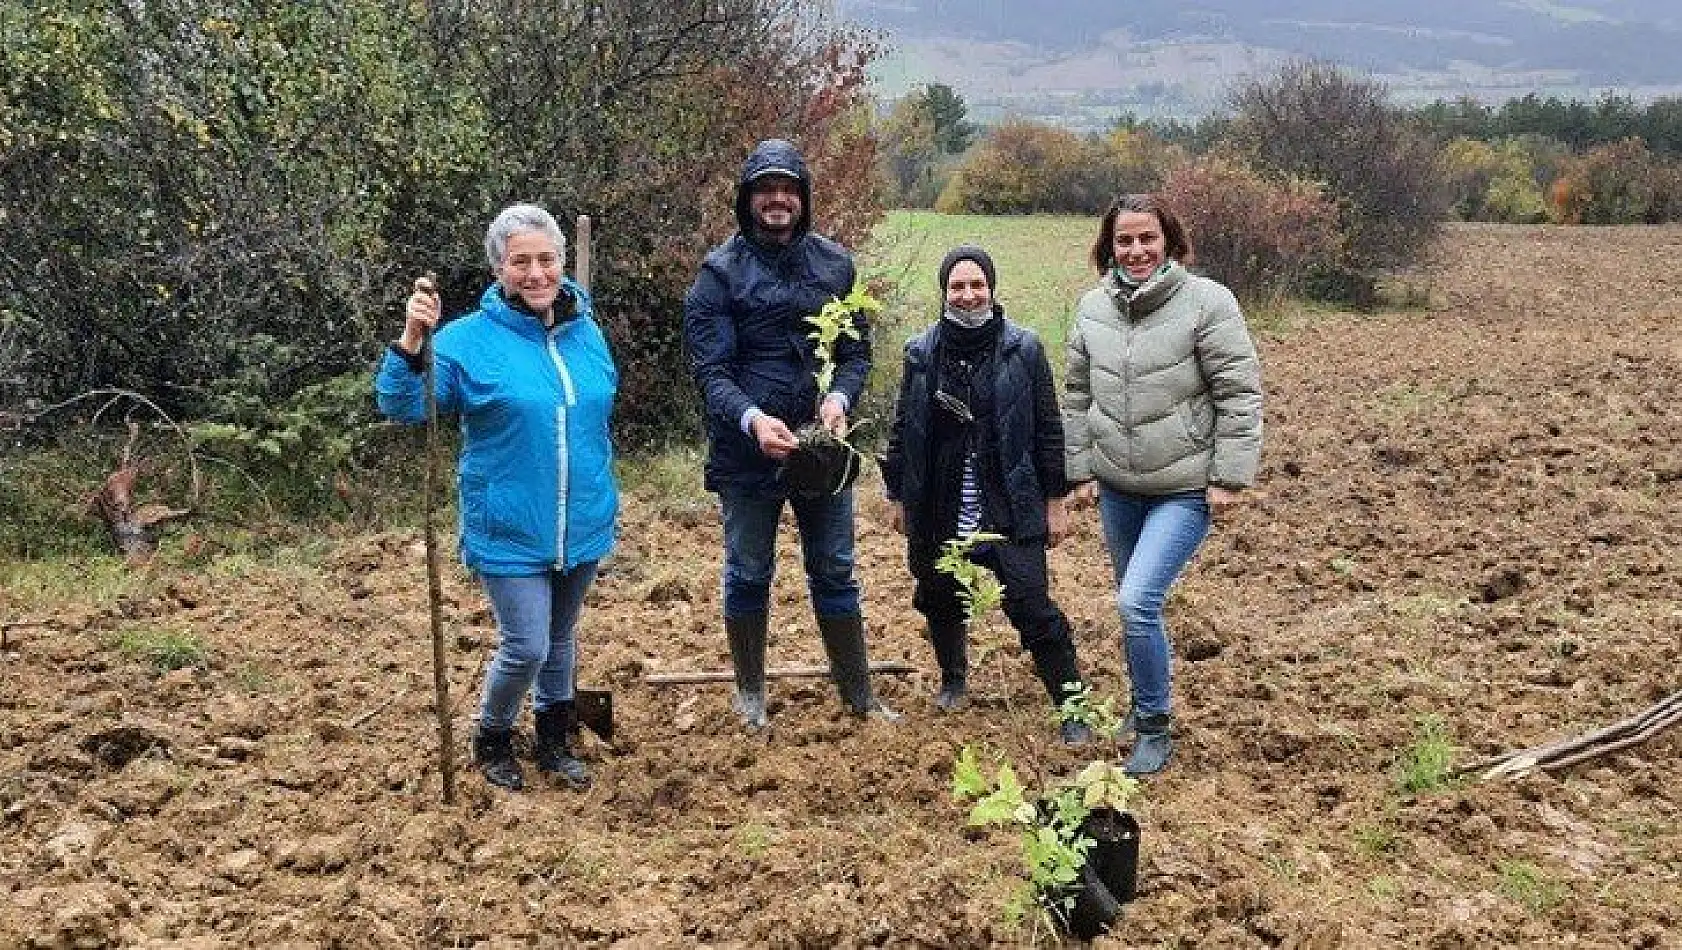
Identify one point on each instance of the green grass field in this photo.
(1041, 260)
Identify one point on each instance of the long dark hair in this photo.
(1178, 246)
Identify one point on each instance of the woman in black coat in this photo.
(977, 446)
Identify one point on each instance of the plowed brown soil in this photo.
(1470, 511)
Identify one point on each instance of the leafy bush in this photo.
(309, 448)
(1135, 160)
(1315, 122)
(1024, 167)
(1492, 181)
(1253, 234)
(202, 195)
(1620, 183)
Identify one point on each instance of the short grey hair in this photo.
(517, 219)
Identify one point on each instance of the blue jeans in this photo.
(536, 620)
(826, 544)
(1151, 538)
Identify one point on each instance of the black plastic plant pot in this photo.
(1094, 909)
(1108, 879)
(1115, 850)
(820, 465)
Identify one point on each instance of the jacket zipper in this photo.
(563, 470)
(1127, 386)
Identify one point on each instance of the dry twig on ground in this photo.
(1565, 753)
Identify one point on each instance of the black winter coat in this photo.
(1028, 432)
(744, 326)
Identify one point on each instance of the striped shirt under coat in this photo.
(1162, 388)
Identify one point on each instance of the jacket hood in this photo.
(774, 155)
(494, 304)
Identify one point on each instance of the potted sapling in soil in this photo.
(825, 463)
(1106, 790)
(1064, 890)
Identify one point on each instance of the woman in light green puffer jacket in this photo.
(1162, 422)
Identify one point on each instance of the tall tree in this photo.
(1318, 122)
(217, 201)
(947, 111)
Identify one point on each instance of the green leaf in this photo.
(967, 780)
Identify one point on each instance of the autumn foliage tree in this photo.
(1492, 181)
(923, 134)
(221, 202)
(1619, 183)
(1021, 167)
(1316, 122)
(1255, 234)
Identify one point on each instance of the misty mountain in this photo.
(1177, 57)
(1610, 41)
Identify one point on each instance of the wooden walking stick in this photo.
(581, 253)
(434, 582)
(593, 706)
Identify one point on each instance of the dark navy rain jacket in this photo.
(744, 325)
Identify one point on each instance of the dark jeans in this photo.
(826, 544)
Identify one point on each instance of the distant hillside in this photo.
(1077, 59)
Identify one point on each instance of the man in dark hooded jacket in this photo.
(744, 324)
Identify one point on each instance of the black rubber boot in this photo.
(951, 652)
(747, 655)
(493, 749)
(552, 749)
(1154, 747)
(849, 666)
(1054, 660)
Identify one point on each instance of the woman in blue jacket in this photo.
(977, 446)
(530, 377)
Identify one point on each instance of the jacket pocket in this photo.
(1197, 414)
(515, 522)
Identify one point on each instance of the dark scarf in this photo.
(964, 369)
(564, 309)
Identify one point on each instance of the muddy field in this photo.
(1470, 511)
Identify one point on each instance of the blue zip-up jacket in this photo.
(744, 325)
(536, 473)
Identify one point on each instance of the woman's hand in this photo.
(1083, 495)
(896, 517)
(1056, 522)
(1225, 500)
(420, 315)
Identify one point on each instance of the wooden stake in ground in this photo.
(434, 581)
(581, 253)
(776, 672)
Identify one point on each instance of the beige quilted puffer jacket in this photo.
(1162, 388)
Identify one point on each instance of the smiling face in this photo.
(966, 287)
(531, 269)
(1139, 245)
(775, 205)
